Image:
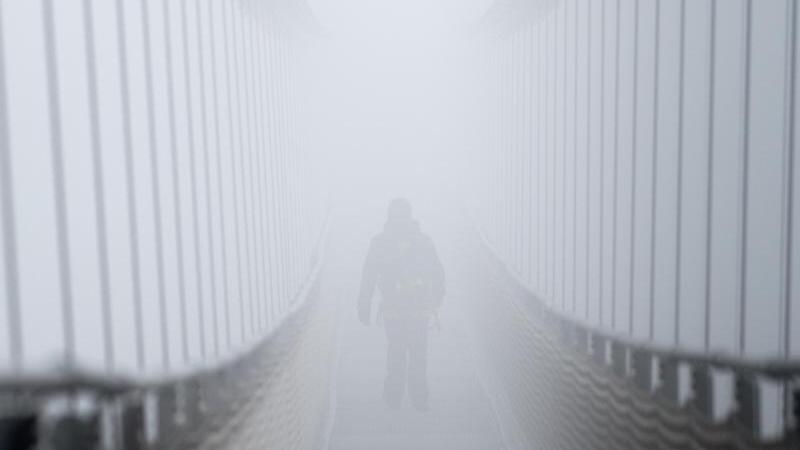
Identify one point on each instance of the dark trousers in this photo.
(406, 360)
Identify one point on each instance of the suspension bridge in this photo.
(188, 190)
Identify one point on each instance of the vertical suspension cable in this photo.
(564, 167)
(748, 6)
(601, 106)
(509, 151)
(510, 160)
(543, 190)
(634, 159)
(502, 135)
(226, 13)
(287, 176)
(245, 128)
(59, 183)
(262, 212)
(249, 149)
(517, 179)
(791, 137)
(529, 125)
(712, 81)
(519, 166)
(272, 180)
(615, 191)
(192, 149)
(788, 195)
(498, 143)
(258, 179)
(512, 150)
(282, 179)
(9, 225)
(299, 150)
(520, 141)
(575, 145)
(272, 185)
(240, 78)
(155, 183)
(679, 187)
(551, 149)
(277, 209)
(654, 167)
(283, 175)
(98, 184)
(247, 167)
(545, 163)
(587, 177)
(500, 160)
(212, 265)
(277, 157)
(218, 161)
(130, 180)
(525, 175)
(173, 142)
(271, 106)
(587, 149)
(294, 160)
(526, 172)
(291, 178)
(542, 165)
(602, 184)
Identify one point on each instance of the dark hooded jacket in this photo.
(402, 262)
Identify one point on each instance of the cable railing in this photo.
(643, 168)
(152, 209)
(160, 246)
(643, 187)
(574, 386)
(206, 407)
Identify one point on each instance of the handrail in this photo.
(774, 368)
(669, 409)
(76, 379)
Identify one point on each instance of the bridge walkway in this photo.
(461, 415)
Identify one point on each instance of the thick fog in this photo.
(180, 178)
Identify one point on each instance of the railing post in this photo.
(151, 417)
(181, 416)
(582, 340)
(599, 350)
(567, 332)
(192, 402)
(19, 431)
(703, 391)
(669, 380)
(748, 403)
(642, 365)
(72, 430)
(793, 397)
(619, 359)
(167, 411)
(132, 421)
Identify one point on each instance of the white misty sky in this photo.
(384, 16)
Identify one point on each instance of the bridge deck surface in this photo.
(461, 415)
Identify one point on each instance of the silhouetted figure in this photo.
(403, 264)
